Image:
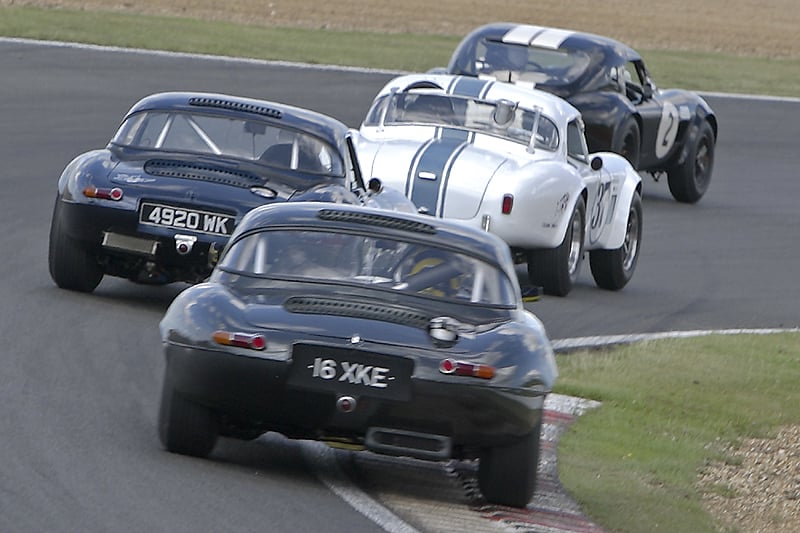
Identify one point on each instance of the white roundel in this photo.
(667, 129)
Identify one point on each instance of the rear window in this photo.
(253, 140)
(413, 268)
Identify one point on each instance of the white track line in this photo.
(322, 460)
(610, 340)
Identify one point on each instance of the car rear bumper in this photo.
(123, 245)
(439, 420)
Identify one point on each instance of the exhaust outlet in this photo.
(400, 442)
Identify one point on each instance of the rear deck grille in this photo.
(192, 171)
(336, 307)
(373, 219)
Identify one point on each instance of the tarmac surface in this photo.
(82, 373)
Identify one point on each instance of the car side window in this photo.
(634, 84)
(375, 114)
(576, 143)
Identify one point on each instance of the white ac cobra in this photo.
(513, 161)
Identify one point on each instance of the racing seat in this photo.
(279, 155)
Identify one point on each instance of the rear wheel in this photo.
(71, 266)
(613, 269)
(689, 181)
(183, 426)
(556, 269)
(507, 474)
(628, 141)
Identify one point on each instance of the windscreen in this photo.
(502, 118)
(546, 66)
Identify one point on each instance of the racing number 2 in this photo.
(667, 129)
(355, 373)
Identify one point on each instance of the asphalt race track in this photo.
(81, 374)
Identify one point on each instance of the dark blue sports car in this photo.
(398, 333)
(660, 131)
(159, 202)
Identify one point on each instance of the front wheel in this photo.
(689, 181)
(507, 474)
(71, 266)
(556, 269)
(613, 269)
(185, 427)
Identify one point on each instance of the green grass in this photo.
(403, 52)
(669, 407)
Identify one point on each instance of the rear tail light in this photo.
(508, 204)
(462, 368)
(103, 194)
(252, 341)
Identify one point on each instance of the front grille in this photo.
(331, 306)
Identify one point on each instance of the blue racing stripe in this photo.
(470, 87)
(412, 168)
(429, 172)
(454, 133)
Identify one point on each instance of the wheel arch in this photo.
(564, 221)
(81, 171)
(619, 225)
(702, 113)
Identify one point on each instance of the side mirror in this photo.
(647, 91)
(375, 185)
(596, 163)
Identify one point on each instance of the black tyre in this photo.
(185, 427)
(689, 181)
(507, 474)
(556, 269)
(628, 141)
(71, 266)
(613, 269)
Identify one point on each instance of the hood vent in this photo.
(235, 106)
